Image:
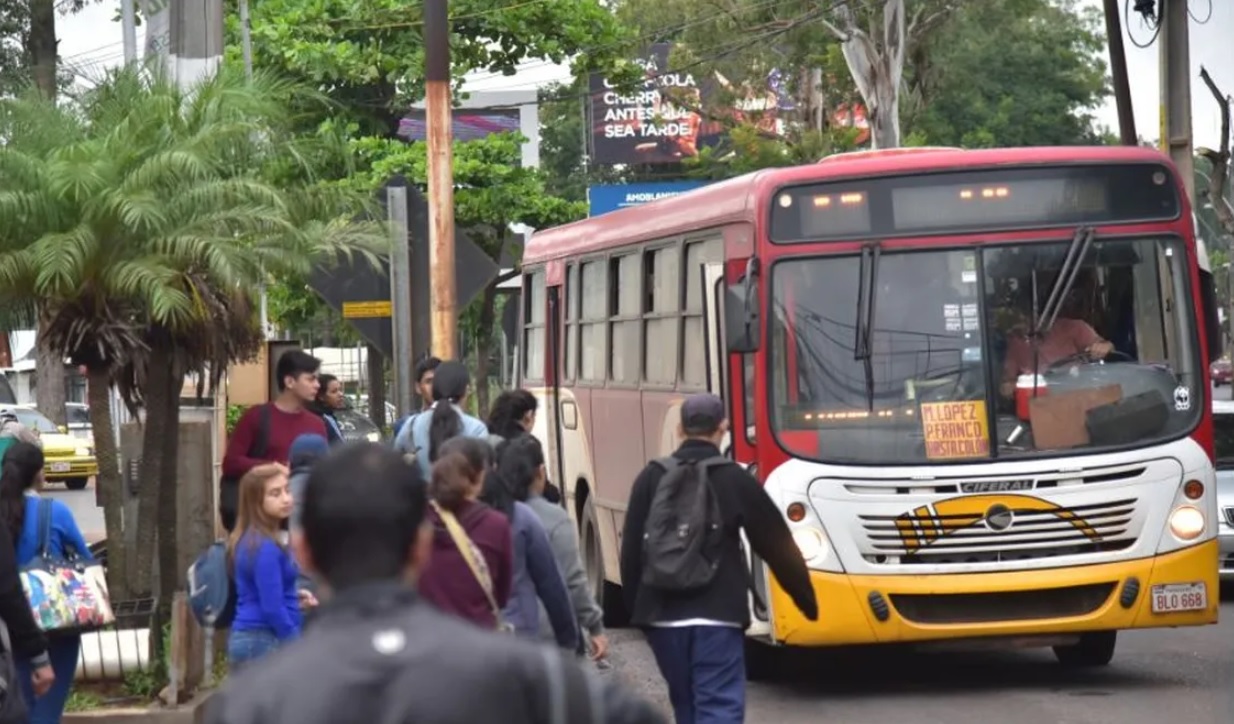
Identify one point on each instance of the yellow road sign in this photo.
(366, 310)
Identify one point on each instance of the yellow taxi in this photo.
(69, 460)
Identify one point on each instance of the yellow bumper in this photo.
(1031, 600)
(58, 469)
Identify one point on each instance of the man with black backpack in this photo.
(683, 574)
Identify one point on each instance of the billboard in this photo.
(660, 121)
(603, 199)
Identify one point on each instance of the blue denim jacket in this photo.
(413, 438)
(536, 580)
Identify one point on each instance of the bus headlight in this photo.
(1187, 523)
(810, 542)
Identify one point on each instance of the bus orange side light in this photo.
(1193, 489)
(796, 512)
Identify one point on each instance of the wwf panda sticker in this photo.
(1182, 398)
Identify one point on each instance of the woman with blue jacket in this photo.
(536, 577)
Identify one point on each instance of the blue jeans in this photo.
(705, 669)
(243, 647)
(64, 650)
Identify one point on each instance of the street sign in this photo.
(367, 310)
(356, 281)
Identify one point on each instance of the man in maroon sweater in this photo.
(288, 418)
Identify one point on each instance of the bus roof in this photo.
(734, 200)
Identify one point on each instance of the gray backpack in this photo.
(683, 534)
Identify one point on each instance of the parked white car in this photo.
(1223, 439)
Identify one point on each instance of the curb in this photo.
(190, 713)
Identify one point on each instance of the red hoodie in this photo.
(448, 582)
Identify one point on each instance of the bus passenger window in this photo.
(593, 321)
(661, 307)
(624, 306)
(693, 353)
(533, 319)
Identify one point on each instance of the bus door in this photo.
(717, 383)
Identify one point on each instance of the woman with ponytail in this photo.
(21, 476)
(423, 435)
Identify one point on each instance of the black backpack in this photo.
(682, 537)
(229, 487)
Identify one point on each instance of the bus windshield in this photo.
(934, 359)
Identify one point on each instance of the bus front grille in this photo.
(928, 535)
(963, 608)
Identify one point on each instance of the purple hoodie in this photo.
(448, 582)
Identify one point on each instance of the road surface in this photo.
(1182, 676)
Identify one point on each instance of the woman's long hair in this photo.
(251, 515)
(450, 384)
(18, 473)
(519, 460)
(463, 462)
(506, 416)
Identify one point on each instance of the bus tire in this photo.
(1092, 650)
(607, 595)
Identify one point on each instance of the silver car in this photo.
(1223, 438)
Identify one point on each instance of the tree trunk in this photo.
(110, 482)
(159, 378)
(877, 69)
(484, 339)
(41, 46)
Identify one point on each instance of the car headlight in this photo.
(1187, 523)
(809, 541)
(84, 452)
(373, 436)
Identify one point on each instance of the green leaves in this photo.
(161, 211)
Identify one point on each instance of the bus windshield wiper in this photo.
(867, 283)
(1067, 274)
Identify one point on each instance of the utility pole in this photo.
(1118, 68)
(196, 40)
(400, 296)
(128, 23)
(1175, 41)
(444, 313)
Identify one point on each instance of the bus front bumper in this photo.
(888, 609)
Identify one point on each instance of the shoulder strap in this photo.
(44, 526)
(261, 441)
(667, 463)
(467, 549)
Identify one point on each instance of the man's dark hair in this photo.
(363, 507)
(293, 363)
(424, 366)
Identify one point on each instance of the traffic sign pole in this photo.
(400, 296)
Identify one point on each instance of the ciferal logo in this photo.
(926, 524)
(997, 486)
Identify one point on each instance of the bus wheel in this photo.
(1093, 649)
(607, 595)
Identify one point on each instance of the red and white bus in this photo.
(874, 321)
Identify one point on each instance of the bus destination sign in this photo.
(955, 202)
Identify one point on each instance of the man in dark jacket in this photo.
(703, 630)
(377, 652)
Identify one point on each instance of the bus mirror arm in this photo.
(741, 312)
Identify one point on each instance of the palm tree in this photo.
(142, 237)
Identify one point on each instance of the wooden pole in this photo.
(444, 306)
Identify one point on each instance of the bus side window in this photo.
(694, 346)
(534, 325)
(661, 315)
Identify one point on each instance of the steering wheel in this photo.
(1085, 358)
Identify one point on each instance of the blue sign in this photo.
(603, 199)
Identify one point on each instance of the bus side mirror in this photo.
(741, 318)
(1211, 322)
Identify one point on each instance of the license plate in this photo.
(61, 467)
(1175, 597)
